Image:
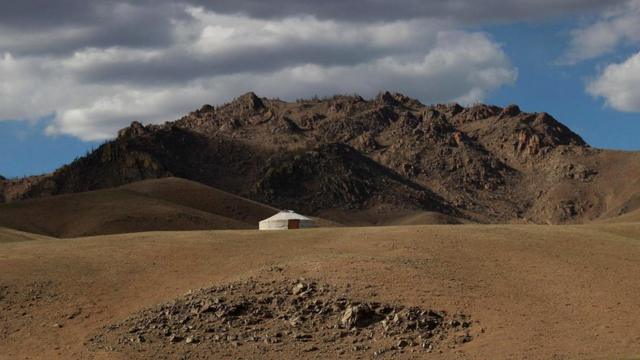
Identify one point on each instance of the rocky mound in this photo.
(482, 163)
(254, 318)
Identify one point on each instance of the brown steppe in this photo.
(538, 292)
(151, 205)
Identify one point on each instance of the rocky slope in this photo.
(384, 155)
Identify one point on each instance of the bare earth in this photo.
(533, 292)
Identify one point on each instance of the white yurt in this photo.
(285, 220)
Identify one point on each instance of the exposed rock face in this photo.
(481, 162)
(529, 143)
(458, 138)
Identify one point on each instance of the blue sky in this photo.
(543, 85)
(25, 149)
(90, 76)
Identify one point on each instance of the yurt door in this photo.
(294, 224)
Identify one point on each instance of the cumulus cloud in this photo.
(617, 26)
(93, 90)
(214, 44)
(466, 11)
(619, 85)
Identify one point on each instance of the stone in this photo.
(299, 288)
(295, 321)
(191, 339)
(463, 339)
(175, 338)
(303, 337)
(358, 316)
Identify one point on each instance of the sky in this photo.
(73, 72)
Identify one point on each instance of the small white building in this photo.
(286, 219)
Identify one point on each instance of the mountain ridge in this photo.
(391, 153)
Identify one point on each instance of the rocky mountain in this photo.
(382, 156)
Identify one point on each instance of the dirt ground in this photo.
(535, 292)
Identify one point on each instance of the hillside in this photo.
(632, 216)
(535, 292)
(348, 156)
(201, 197)
(164, 204)
(11, 235)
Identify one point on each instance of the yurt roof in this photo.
(287, 215)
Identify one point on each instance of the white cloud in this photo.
(223, 34)
(95, 91)
(616, 26)
(23, 88)
(619, 85)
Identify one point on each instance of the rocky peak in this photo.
(387, 98)
(250, 102)
(510, 111)
(552, 132)
(538, 133)
(450, 110)
(436, 122)
(206, 108)
(135, 129)
(455, 109)
(476, 112)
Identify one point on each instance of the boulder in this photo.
(358, 316)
